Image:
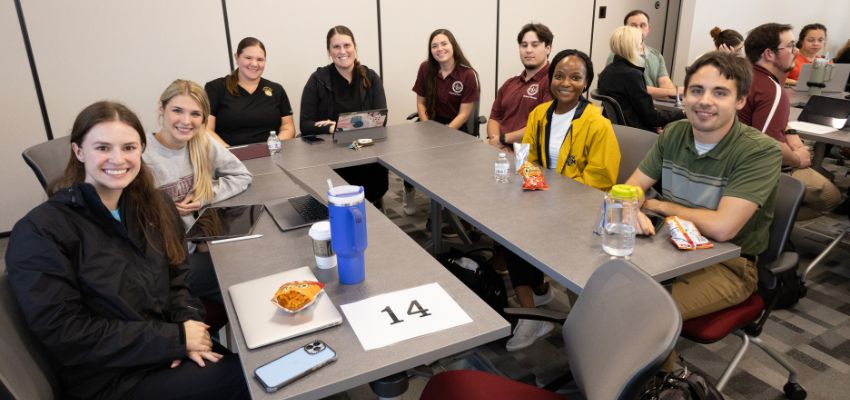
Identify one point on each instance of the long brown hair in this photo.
(199, 145)
(434, 69)
(231, 83)
(361, 70)
(155, 215)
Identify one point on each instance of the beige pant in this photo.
(821, 194)
(715, 287)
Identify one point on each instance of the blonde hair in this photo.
(625, 42)
(199, 145)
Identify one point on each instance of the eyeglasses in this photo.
(792, 46)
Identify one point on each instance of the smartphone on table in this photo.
(293, 365)
(312, 139)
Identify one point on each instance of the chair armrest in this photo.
(481, 120)
(536, 314)
(412, 116)
(786, 261)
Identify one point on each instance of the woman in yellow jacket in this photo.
(569, 133)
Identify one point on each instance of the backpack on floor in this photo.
(681, 385)
(474, 269)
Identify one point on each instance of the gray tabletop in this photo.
(393, 262)
(840, 137)
(262, 165)
(400, 139)
(550, 229)
(799, 99)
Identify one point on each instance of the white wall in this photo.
(700, 16)
(22, 122)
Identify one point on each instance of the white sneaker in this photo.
(545, 298)
(408, 202)
(526, 332)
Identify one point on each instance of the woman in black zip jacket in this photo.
(99, 271)
(340, 87)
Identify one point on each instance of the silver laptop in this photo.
(836, 84)
(263, 323)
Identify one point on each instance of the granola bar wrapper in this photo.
(685, 235)
(295, 296)
(533, 177)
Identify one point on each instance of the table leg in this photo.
(817, 160)
(436, 225)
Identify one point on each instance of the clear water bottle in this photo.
(621, 208)
(502, 169)
(274, 143)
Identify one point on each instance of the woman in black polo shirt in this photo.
(344, 86)
(245, 107)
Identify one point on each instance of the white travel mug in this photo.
(320, 232)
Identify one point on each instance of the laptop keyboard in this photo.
(309, 208)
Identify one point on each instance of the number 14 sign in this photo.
(392, 317)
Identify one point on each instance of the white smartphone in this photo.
(294, 365)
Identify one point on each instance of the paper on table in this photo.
(810, 127)
(396, 316)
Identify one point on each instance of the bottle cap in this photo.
(502, 154)
(624, 192)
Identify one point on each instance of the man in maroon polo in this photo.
(520, 94)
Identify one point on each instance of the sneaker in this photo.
(448, 232)
(545, 298)
(408, 201)
(526, 332)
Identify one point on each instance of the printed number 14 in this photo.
(423, 312)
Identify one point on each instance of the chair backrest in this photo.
(789, 196)
(620, 331)
(634, 144)
(473, 127)
(49, 159)
(25, 372)
(610, 107)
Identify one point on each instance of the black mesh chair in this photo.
(611, 109)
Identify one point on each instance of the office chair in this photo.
(618, 334)
(473, 123)
(748, 318)
(25, 372)
(634, 145)
(49, 159)
(610, 106)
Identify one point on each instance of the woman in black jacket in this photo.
(623, 80)
(99, 272)
(340, 87)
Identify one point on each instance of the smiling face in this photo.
(813, 42)
(441, 48)
(111, 153)
(711, 104)
(532, 51)
(182, 119)
(342, 51)
(569, 80)
(251, 62)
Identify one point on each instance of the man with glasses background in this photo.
(771, 50)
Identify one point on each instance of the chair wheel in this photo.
(794, 391)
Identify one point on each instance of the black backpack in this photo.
(474, 269)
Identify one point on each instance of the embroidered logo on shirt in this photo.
(532, 90)
(267, 90)
(457, 88)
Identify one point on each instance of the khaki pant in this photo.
(715, 287)
(821, 195)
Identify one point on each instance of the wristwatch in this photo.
(502, 139)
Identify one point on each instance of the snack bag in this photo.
(298, 295)
(533, 177)
(685, 234)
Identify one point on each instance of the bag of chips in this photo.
(295, 296)
(533, 177)
(685, 234)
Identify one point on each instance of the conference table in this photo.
(551, 229)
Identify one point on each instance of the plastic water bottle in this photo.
(621, 208)
(502, 168)
(274, 143)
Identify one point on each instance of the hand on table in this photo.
(188, 205)
(330, 124)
